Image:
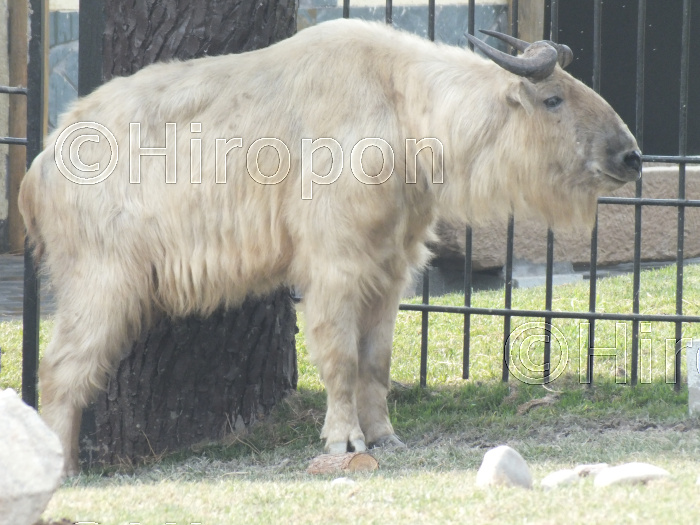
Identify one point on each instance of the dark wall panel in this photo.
(663, 58)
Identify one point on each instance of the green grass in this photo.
(260, 477)
(569, 336)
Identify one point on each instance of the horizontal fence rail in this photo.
(650, 202)
(563, 314)
(13, 90)
(9, 90)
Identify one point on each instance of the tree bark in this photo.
(192, 380)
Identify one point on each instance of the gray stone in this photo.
(629, 473)
(31, 462)
(503, 466)
(560, 477)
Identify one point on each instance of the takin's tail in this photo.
(30, 207)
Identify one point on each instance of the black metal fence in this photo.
(682, 159)
(681, 203)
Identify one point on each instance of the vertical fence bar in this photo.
(639, 132)
(431, 20)
(508, 301)
(554, 21)
(91, 23)
(424, 332)
(426, 278)
(592, 291)
(597, 27)
(467, 301)
(35, 135)
(554, 36)
(388, 16)
(346, 8)
(593, 274)
(467, 238)
(470, 19)
(548, 306)
(30, 334)
(641, 66)
(682, 151)
(426, 281)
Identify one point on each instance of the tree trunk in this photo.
(192, 380)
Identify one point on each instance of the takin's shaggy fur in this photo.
(116, 250)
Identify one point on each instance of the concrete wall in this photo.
(615, 229)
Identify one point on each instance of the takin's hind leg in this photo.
(376, 338)
(93, 326)
(332, 341)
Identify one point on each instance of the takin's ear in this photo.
(521, 93)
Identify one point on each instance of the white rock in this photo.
(693, 369)
(629, 473)
(590, 470)
(503, 466)
(31, 462)
(342, 481)
(560, 477)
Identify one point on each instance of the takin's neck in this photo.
(460, 99)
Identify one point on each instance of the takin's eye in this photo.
(553, 102)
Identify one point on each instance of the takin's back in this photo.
(212, 240)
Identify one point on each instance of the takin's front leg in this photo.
(377, 333)
(332, 341)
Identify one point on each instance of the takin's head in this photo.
(577, 147)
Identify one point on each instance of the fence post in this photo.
(37, 118)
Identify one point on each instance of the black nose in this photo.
(633, 160)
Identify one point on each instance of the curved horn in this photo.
(516, 43)
(565, 55)
(537, 63)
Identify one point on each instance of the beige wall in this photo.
(63, 5)
(615, 225)
(530, 19)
